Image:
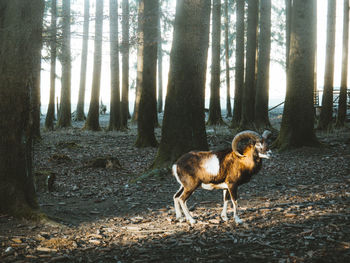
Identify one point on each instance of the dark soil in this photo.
(297, 209)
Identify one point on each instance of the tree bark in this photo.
(50, 116)
(84, 53)
(147, 116)
(344, 72)
(184, 120)
(160, 65)
(140, 47)
(297, 128)
(214, 106)
(20, 45)
(92, 120)
(115, 111)
(64, 116)
(263, 77)
(325, 121)
(248, 105)
(125, 64)
(227, 63)
(239, 73)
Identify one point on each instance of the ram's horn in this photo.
(244, 135)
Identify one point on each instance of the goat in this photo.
(226, 169)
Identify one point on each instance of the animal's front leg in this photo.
(224, 209)
(233, 193)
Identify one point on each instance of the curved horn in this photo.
(244, 135)
(266, 134)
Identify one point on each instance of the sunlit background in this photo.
(277, 71)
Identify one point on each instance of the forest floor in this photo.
(297, 209)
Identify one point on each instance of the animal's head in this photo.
(256, 144)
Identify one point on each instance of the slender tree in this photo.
(50, 116)
(261, 115)
(147, 76)
(115, 113)
(140, 47)
(344, 72)
(160, 64)
(20, 45)
(297, 128)
(92, 120)
(239, 73)
(327, 97)
(64, 116)
(248, 104)
(214, 107)
(227, 63)
(125, 64)
(184, 123)
(83, 64)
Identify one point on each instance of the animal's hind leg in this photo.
(176, 202)
(226, 196)
(233, 193)
(182, 200)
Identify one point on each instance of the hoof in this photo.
(224, 217)
(192, 221)
(238, 220)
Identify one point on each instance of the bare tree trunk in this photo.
(184, 120)
(115, 112)
(327, 97)
(227, 61)
(84, 53)
(125, 64)
(140, 47)
(92, 120)
(344, 72)
(160, 65)
(247, 121)
(263, 78)
(297, 128)
(20, 45)
(239, 73)
(64, 116)
(147, 115)
(50, 116)
(214, 108)
(289, 5)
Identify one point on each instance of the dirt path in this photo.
(297, 209)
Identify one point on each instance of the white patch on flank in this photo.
(174, 168)
(212, 165)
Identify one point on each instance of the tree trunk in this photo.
(115, 113)
(84, 53)
(92, 120)
(263, 77)
(184, 120)
(214, 107)
(160, 65)
(297, 128)
(248, 106)
(288, 26)
(35, 94)
(64, 117)
(227, 61)
(327, 97)
(344, 72)
(239, 73)
(140, 47)
(125, 64)
(50, 116)
(20, 44)
(147, 116)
